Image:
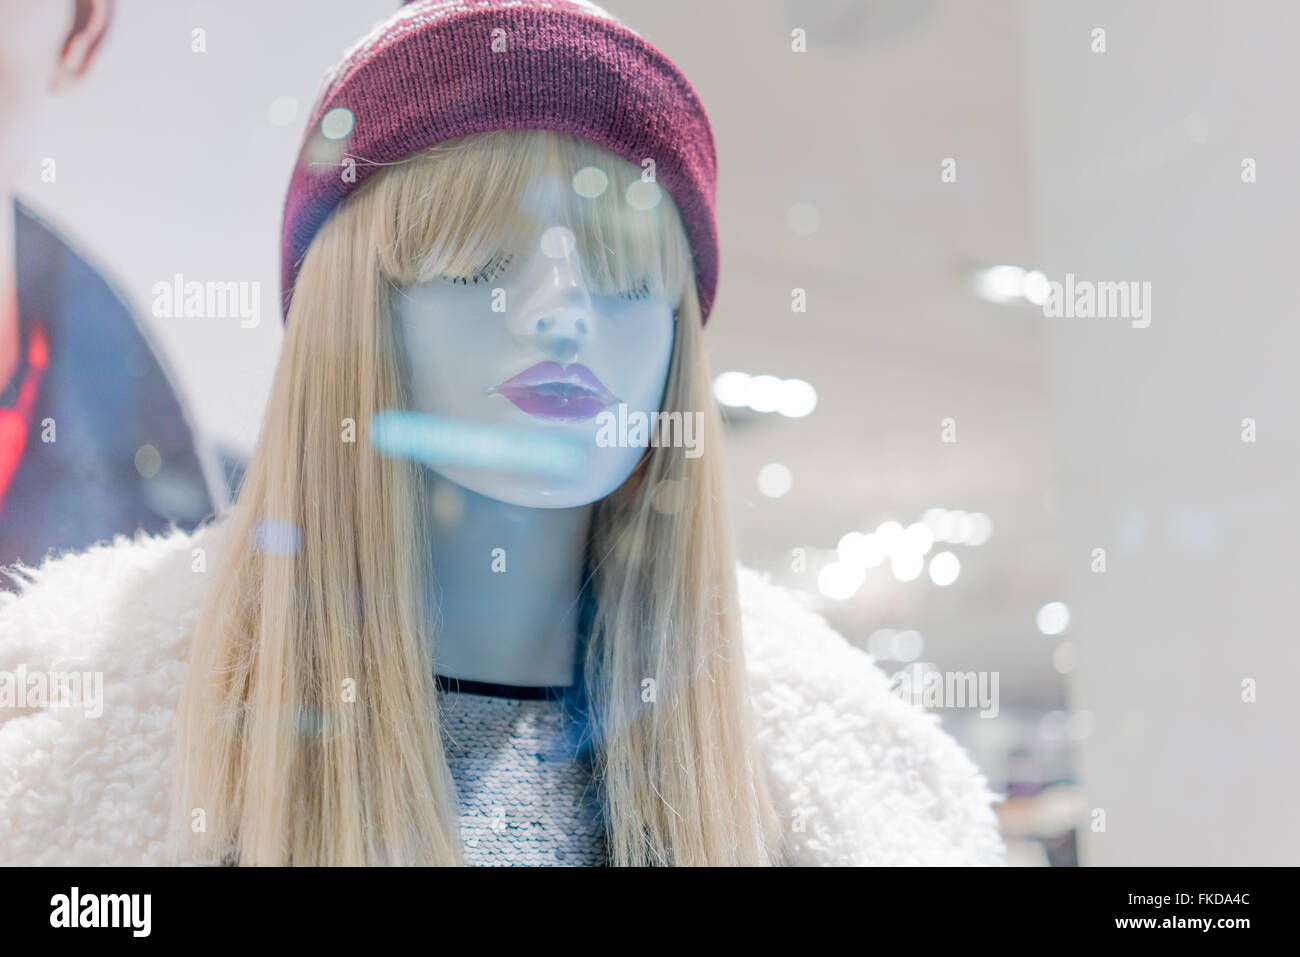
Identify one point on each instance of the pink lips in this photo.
(559, 393)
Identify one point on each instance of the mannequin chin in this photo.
(552, 356)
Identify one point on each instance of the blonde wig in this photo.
(309, 728)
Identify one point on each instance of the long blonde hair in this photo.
(309, 728)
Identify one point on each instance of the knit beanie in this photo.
(439, 69)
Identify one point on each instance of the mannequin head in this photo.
(297, 777)
(543, 306)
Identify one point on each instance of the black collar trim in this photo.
(516, 692)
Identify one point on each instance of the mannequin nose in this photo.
(560, 331)
(557, 317)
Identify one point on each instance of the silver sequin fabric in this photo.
(525, 798)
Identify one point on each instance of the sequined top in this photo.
(526, 792)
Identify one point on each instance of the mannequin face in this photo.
(552, 361)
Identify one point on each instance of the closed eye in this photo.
(489, 271)
(640, 290)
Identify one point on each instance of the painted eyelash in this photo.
(489, 271)
(497, 265)
(640, 291)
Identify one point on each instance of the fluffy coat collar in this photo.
(859, 776)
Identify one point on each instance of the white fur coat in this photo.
(861, 776)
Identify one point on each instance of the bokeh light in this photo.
(917, 538)
(148, 460)
(764, 393)
(792, 398)
(865, 551)
(642, 195)
(906, 566)
(1052, 726)
(880, 643)
(732, 389)
(590, 182)
(558, 242)
(908, 645)
(337, 123)
(840, 581)
(798, 399)
(775, 480)
(944, 569)
(979, 530)
(1053, 618)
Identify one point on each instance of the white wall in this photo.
(1136, 175)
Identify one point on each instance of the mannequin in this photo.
(378, 323)
(512, 620)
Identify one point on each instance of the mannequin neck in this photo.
(507, 581)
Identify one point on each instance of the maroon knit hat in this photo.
(439, 69)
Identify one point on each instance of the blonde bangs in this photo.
(463, 210)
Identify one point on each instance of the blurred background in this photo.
(962, 485)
